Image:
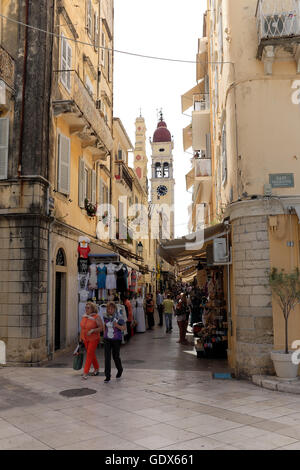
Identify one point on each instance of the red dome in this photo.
(162, 134)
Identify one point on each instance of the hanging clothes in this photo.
(111, 282)
(93, 276)
(133, 285)
(140, 315)
(122, 275)
(101, 276)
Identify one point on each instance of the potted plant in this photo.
(286, 289)
(90, 208)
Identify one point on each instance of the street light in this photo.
(140, 249)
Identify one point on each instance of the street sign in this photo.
(282, 180)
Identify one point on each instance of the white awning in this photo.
(128, 263)
(187, 137)
(201, 127)
(190, 178)
(187, 99)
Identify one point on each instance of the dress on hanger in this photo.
(111, 277)
(93, 277)
(133, 280)
(122, 275)
(101, 276)
(140, 315)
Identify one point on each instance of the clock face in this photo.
(162, 190)
(138, 157)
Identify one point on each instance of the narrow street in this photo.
(166, 399)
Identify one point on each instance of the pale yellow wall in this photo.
(287, 258)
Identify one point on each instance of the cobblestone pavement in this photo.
(166, 399)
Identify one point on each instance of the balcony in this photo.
(278, 27)
(200, 126)
(202, 168)
(122, 175)
(84, 118)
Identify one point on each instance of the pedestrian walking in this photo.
(129, 313)
(168, 309)
(90, 325)
(182, 314)
(159, 305)
(114, 324)
(150, 311)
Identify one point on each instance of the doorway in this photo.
(60, 302)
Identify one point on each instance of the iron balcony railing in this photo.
(201, 101)
(123, 174)
(277, 19)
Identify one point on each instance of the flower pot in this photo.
(284, 367)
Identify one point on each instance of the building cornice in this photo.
(259, 207)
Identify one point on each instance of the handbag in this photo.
(78, 357)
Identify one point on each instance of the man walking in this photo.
(159, 304)
(168, 309)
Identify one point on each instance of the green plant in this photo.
(90, 208)
(286, 289)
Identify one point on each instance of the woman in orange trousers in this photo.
(91, 325)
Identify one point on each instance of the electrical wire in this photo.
(166, 59)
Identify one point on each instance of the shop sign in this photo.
(282, 180)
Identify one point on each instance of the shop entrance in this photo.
(60, 302)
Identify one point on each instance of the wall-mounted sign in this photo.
(282, 180)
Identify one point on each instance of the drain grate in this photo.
(77, 392)
(133, 361)
(58, 365)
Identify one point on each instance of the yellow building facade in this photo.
(245, 166)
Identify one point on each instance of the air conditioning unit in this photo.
(216, 253)
(280, 25)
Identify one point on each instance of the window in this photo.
(103, 49)
(120, 155)
(224, 155)
(166, 170)
(63, 164)
(158, 170)
(89, 18)
(89, 86)
(4, 139)
(86, 183)
(66, 63)
(103, 193)
(96, 31)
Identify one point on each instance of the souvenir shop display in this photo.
(122, 278)
(111, 281)
(140, 315)
(83, 250)
(101, 280)
(133, 283)
(211, 334)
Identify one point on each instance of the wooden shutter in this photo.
(94, 184)
(103, 50)
(96, 31)
(4, 138)
(63, 164)
(208, 145)
(81, 189)
(89, 17)
(66, 63)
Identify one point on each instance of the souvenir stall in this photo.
(103, 277)
(211, 334)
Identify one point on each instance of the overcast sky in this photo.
(163, 28)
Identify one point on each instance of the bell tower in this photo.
(162, 181)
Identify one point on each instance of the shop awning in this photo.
(128, 263)
(201, 127)
(202, 59)
(297, 210)
(187, 137)
(187, 100)
(190, 178)
(188, 247)
(100, 250)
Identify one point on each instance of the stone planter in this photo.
(284, 367)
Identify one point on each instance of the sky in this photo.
(162, 28)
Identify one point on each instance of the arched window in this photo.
(60, 258)
(158, 170)
(166, 170)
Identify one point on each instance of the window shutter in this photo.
(81, 192)
(96, 31)
(103, 50)
(120, 155)
(89, 18)
(4, 138)
(94, 183)
(66, 63)
(208, 146)
(224, 156)
(63, 164)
